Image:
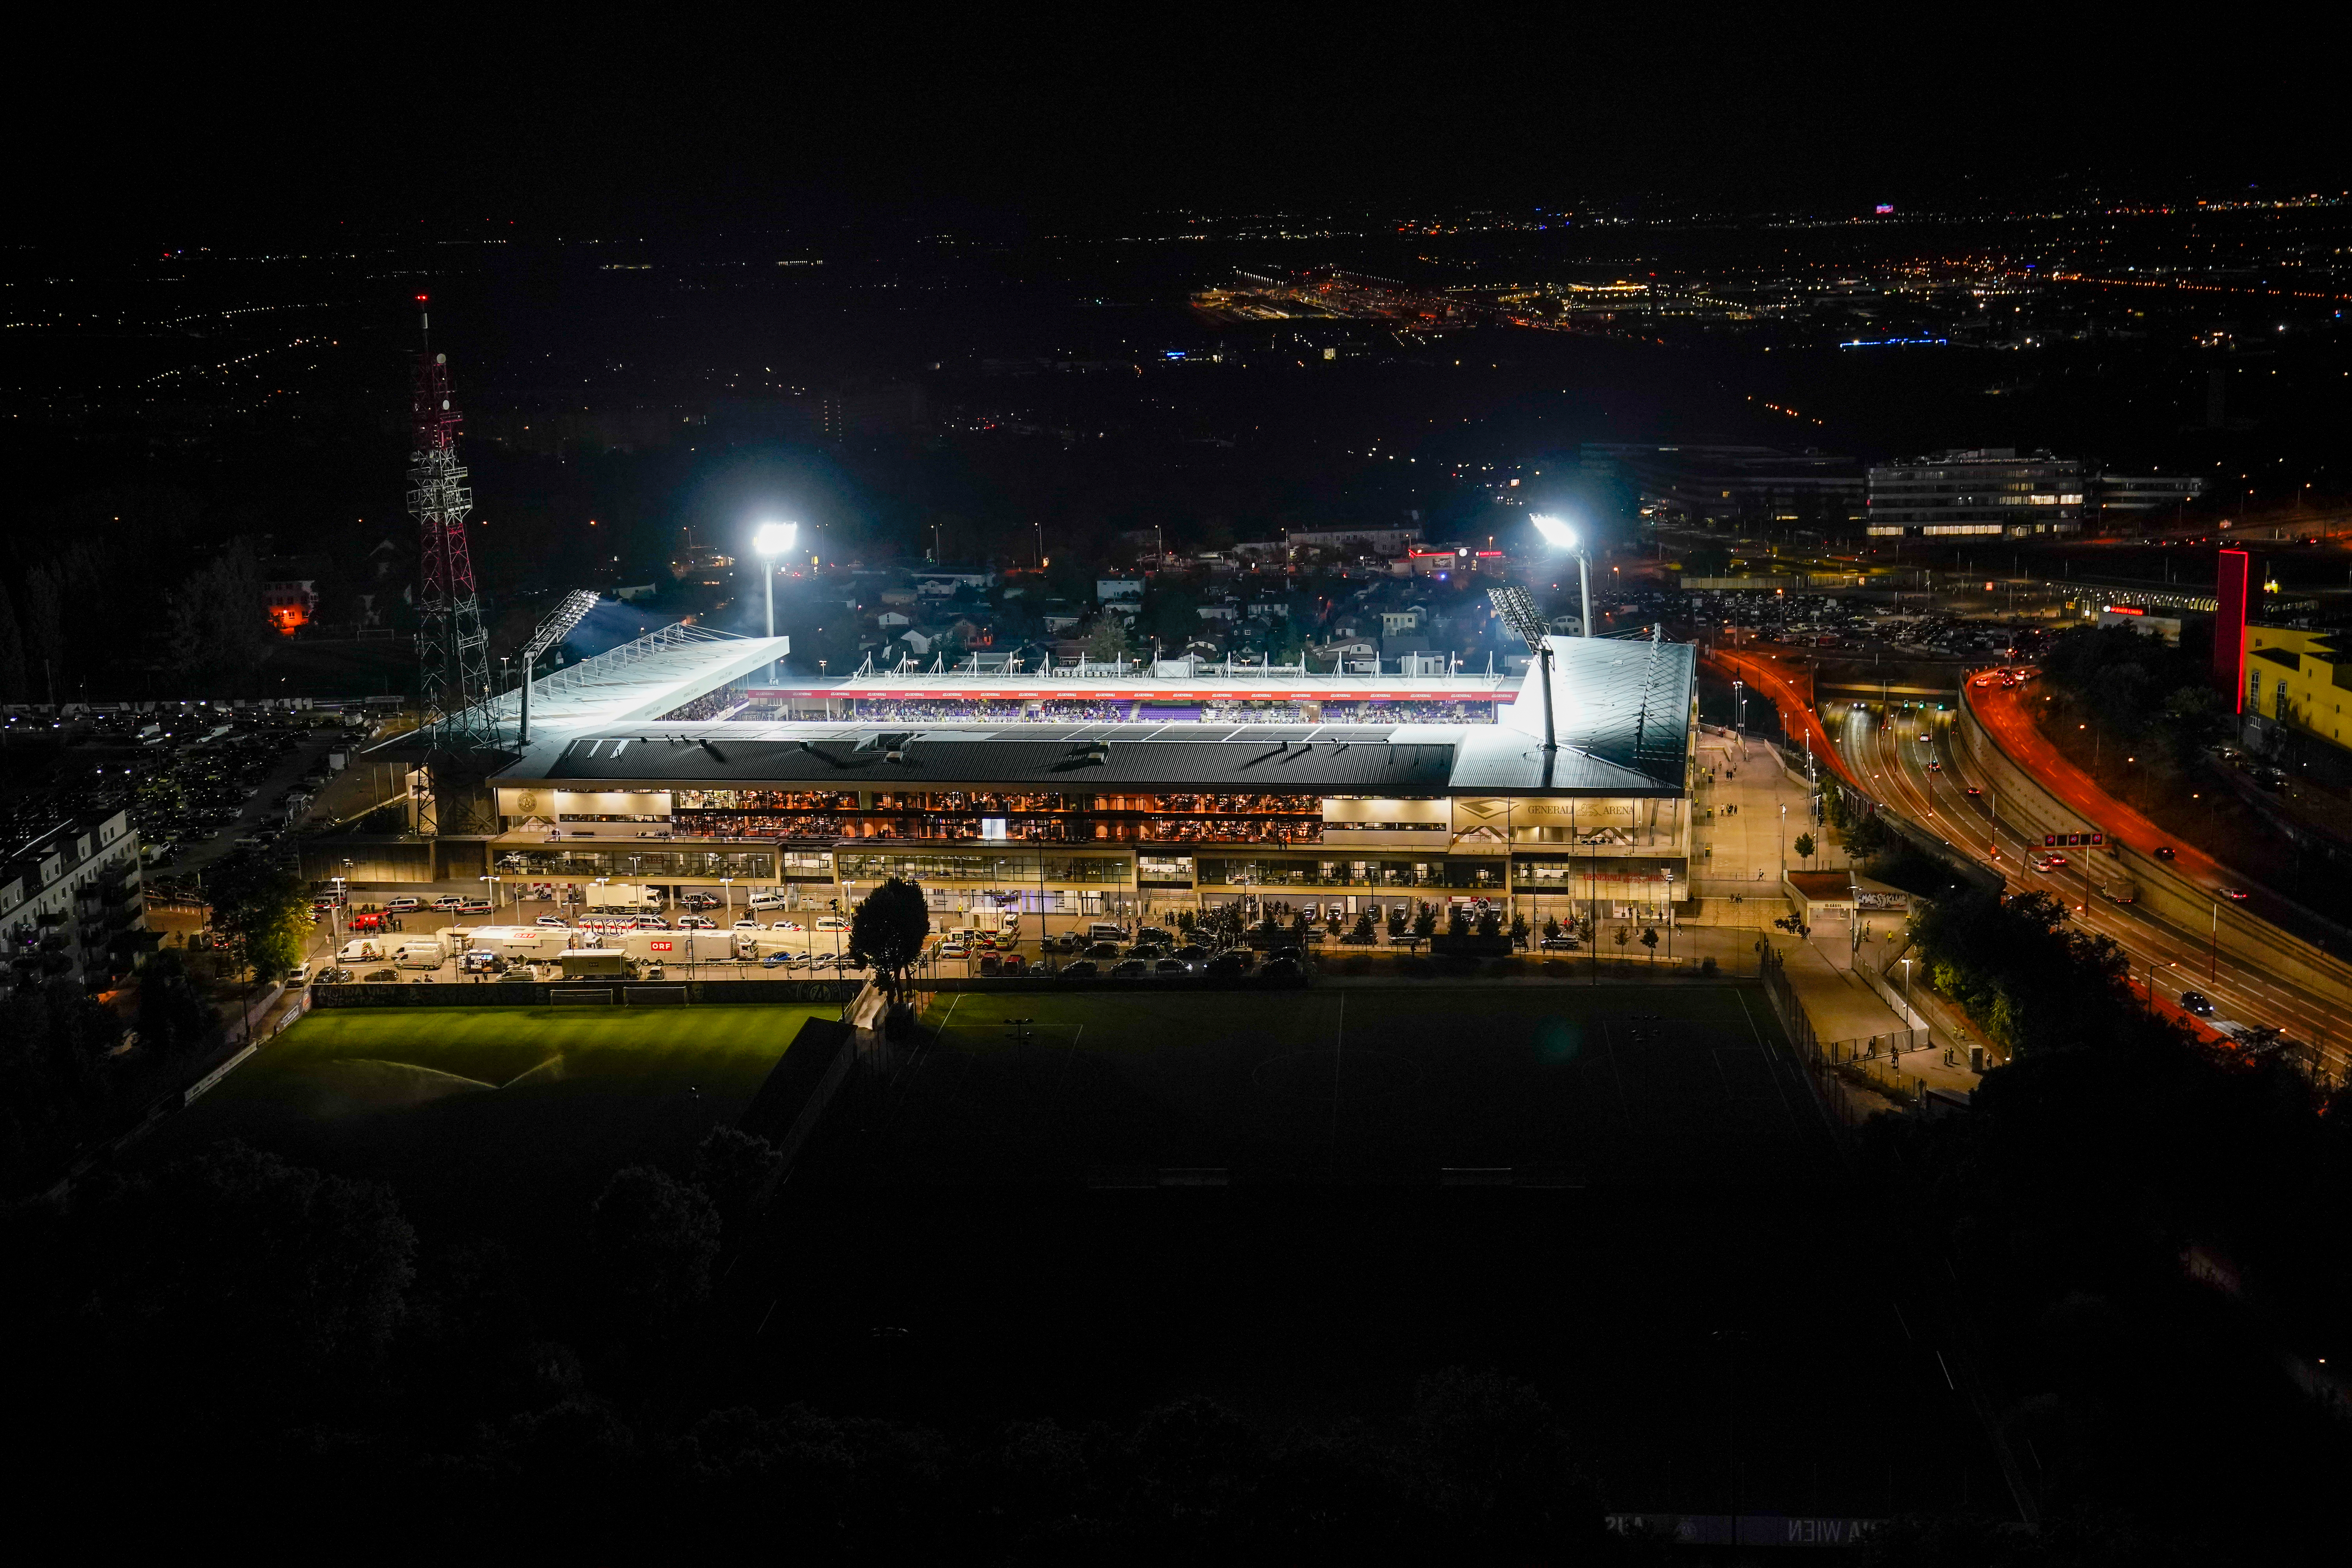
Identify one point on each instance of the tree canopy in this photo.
(888, 930)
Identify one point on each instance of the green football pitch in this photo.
(1546, 1084)
(500, 1116)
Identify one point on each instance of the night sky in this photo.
(604, 127)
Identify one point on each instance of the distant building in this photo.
(71, 905)
(1991, 492)
(1120, 592)
(1742, 485)
(1382, 541)
(289, 601)
(2123, 494)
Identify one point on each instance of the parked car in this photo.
(1233, 961)
(333, 976)
(402, 905)
(1103, 950)
(558, 921)
(1129, 969)
(1084, 969)
(2235, 895)
(381, 977)
(701, 901)
(1283, 966)
(1171, 966)
(783, 960)
(1193, 953)
(2164, 852)
(749, 925)
(697, 922)
(832, 923)
(786, 925)
(445, 901)
(474, 906)
(1563, 942)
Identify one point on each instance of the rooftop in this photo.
(1621, 713)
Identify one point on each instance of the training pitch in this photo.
(1552, 1084)
(493, 1116)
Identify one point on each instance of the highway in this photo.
(1892, 763)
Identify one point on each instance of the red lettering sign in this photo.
(659, 946)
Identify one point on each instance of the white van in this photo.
(365, 950)
(769, 898)
(419, 956)
(1103, 930)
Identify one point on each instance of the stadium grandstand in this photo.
(1114, 792)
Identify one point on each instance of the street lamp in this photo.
(729, 883)
(772, 539)
(1559, 536)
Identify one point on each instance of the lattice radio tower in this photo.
(452, 651)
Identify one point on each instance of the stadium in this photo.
(1106, 789)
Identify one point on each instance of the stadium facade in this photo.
(1111, 792)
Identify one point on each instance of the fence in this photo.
(1837, 1069)
(510, 994)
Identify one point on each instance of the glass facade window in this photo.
(859, 866)
(581, 863)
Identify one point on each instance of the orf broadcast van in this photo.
(419, 956)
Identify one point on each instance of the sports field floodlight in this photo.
(1559, 536)
(1518, 613)
(773, 539)
(551, 631)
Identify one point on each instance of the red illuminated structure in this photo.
(454, 667)
(2233, 590)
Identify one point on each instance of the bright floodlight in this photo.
(1555, 533)
(774, 538)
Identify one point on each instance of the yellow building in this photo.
(2300, 681)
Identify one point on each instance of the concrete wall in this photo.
(2163, 892)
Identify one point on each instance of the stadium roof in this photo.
(634, 683)
(1622, 713)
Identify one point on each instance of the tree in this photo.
(273, 1268)
(887, 931)
(1551, 926)
(1458, 920)
(1108, 638)
(174, 1018)
(1650, 941)
(656, 1236)
(1803, 846)
(737, 1170)
(1424, 922)
(1621, 935)
(1518, 930)
(1364, 928)
(1490, 922)
(261, 904)
(1867, 838)
(12, 653)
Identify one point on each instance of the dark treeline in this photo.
(233, 1325)
(2153, 1232)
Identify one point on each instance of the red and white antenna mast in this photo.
(452, 651)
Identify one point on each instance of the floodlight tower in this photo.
(1518, 613)
(1559, 536)
(453, 651)
(772, 539)
(551, 631)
